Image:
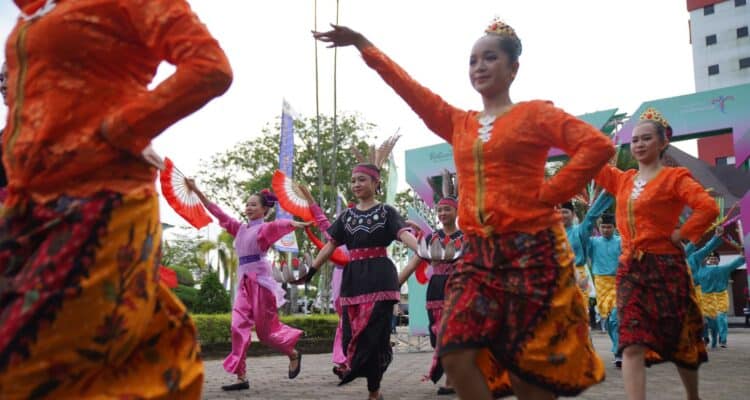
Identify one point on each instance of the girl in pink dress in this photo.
(258, 295)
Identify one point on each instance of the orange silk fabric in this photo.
(502, 182)
(647, 224)
(80, 110)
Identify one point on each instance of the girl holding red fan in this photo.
(258, 296)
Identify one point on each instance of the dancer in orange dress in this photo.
(3, 92)
(514, 321)
(659, 316)
(83, 312)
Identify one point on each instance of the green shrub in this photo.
(212, 297)
(315, 325)
(187, 295)
(184, 276)
(213, 328)
(216, 328)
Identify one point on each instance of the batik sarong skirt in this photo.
(657, 308)
(83, 314)
(515, 298)
(606, 294)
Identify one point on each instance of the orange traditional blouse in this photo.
(647, 222)
(501, 181)
(80, 110)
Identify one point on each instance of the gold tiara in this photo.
(498, 27)
(654, 115)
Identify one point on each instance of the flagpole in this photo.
(334, 183)
(317, 107)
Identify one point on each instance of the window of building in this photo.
(708, 10)
(725, 160)
(741, 32)
(713, 69)
(710, 39)
(738, 3)
(744, 62)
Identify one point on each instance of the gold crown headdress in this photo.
(654, 115)
(499, 27)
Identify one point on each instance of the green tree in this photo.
(212, 296)
(188, 295)
(187, 251)
(184, 276)
(404, 200)
(232, 176)
(228, 260)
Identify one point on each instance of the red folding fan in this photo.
(180, 198)
(421, 273)
(338, 257)
(168, 276)
(290, 198)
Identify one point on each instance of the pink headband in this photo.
(363, 169)
(447, 201)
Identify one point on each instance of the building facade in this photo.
(721, 57)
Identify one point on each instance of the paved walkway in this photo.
(726, 376)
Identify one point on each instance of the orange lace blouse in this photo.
(501, 181)
(86, 66)
(646, 223)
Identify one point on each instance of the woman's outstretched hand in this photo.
(342, 36)
(193, 187)
(190, 183)
(305, 279)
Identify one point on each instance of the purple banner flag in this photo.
(286, 161)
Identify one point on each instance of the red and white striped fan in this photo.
(290, 199)
(180, 198)
(339, 256)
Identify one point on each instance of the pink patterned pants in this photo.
(255, 306)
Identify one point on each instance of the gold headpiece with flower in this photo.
(498, 27)
(654, 115)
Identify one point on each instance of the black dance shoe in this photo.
(293, 374)
(244, 385)
(445, 391)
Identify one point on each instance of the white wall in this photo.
(726, 52)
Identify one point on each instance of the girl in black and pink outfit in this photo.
(369, 287)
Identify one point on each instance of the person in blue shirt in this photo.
(604, 253)
(579, 234)
(713, 280)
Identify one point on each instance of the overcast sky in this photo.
(584, 55)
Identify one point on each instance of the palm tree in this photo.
(227, 260)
